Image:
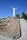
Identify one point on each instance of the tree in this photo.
(17, 15)
(24, 15)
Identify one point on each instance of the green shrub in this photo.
(17, 15)
(24, 15)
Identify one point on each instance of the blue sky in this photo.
(5, 7)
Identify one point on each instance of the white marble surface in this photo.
(23, 29)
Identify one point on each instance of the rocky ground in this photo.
(9, 27)
(23, 23)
